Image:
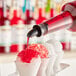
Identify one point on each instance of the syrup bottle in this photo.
(51, 9)
(2, 49)
(1, 13)
(27, 13)
(64, 20)
(14, 22)
(20, 35)
(41, 18)
(43, 6)
(6, 36)
(36, 10)
(15, 18)
(47, 9)
(24, 7)
(32, 7)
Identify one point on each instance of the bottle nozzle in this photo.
(34, 32)
(38, 30)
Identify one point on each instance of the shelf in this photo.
(70, 54)
(7, 58)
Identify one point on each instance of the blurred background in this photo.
(17, 17)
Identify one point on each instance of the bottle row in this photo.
(18, 16)
(28, 10)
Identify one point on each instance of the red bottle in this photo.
(15, 18)
(18, 37)
(28, 13)
(1, 24)
(1, 13)
(40, 18)
(1, 17)
(2, 49)
(6, 32)
(28, 18)
(64, 44)
(51, 12)
(15, 11)
(14, 22)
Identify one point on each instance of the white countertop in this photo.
(71, 70)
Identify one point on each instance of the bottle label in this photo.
(5, 9)
(6, 36)
(1, 4)
(19, 35)
(0, 36)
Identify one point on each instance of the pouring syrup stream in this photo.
(27, 41)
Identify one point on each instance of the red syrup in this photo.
(2, 49)
(27, 41)
(66, 46)
(27, 55)
(28, 18)
(41, 18)
(33, 51)
(15, 47)
(51, 12)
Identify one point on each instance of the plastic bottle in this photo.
(41, 18)
(14, 12)
(18, 38)
(6, 36)
(1, 13)
(20, 35)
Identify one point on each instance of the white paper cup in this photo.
(43, 67)
(58, 60)
(28, 69)
(50, 69)
(52, 58)
(58, 53)
(14, 74)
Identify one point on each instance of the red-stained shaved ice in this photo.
(33, 51)
(27, 55)
(43, 52)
